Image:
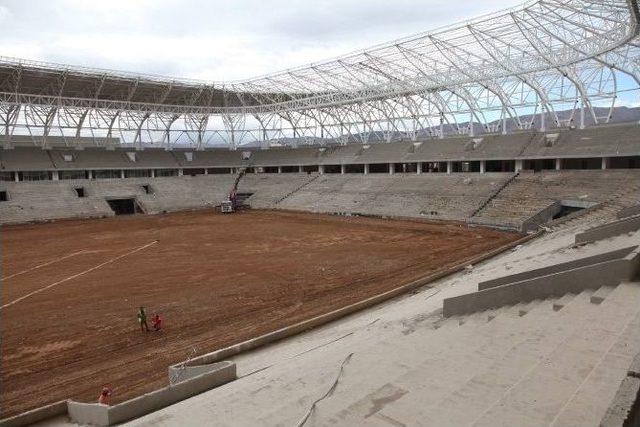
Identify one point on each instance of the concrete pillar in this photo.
(419, 168)
(279, 169)
(605, 160)
(483, 166)
(206, 171)
(181, 172)
(122, 173)
(321, 169)
(343, 169)
(301, 169)
(56, 177)
(153, 173)
(16, 176)
(518, 165)
(392, 168)
(558, 164)
(366, 169)
(449, 167)
(90, 174)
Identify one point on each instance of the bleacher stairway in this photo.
(548, 362)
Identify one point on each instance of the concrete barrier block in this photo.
(609, 230)
(556, 268)
(623, 410)
(609, 273)
(36, 415)
(88, 413)
(628, 211)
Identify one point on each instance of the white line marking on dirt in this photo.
(42, 265)
(78, 274)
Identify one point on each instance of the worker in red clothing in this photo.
(156, 322)
(105, 395)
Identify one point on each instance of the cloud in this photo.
(215, 39)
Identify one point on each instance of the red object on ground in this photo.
(156, 322)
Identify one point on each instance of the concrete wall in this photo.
(556, 268)
(101, 415)
(609, 230)
(608, 273)
(542, 217)
(36, 415)
(629, 211)
(624, 410)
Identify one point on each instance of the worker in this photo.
(105, 394)
(142, 319)
(156, 322)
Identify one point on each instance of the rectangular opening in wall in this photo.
(538, 165)
(166, 172)
(379, 168)
(73, 174)
(332, 168)
(500, 166)
(147, 189)
(35, 176)
(567, 207)
(124, 206)
(310, 168)
(582, 164)
(630, 162)
(80, 192)
(137, 173)
(4, 196)
(219, 171)
(194, 172)
(6, 176)
(290, 169)
(434, 167)
(107, 174)
(354, 168)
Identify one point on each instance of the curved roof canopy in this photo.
(534, 46)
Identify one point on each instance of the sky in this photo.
(215, 40)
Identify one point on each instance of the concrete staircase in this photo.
(495, 194)
(550, 362)
(300, 187)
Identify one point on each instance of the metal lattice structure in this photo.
(518, 66)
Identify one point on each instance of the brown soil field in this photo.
(71, 289)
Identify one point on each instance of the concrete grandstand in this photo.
(503, 125)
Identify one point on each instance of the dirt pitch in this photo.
(70, 289)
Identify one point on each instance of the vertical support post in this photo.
(366, 169)
(153, 173)
(90, 174)
(343, 169)
(518, 167)
(392, 168)
(483, 166)
(449, 166)
(582, 114)
(605, 160)
(543, 126)
(321, 169)
(419, 168)
(122, 173)
(301, 169)
(558, 164)
(16, 176)
(181, 172)
(279, 169)
(55, 176)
